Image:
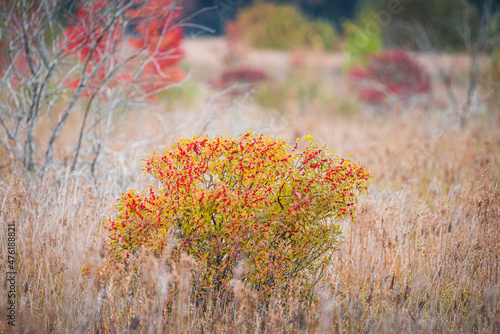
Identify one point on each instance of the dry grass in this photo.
(423, 255)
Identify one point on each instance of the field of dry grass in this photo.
(422, 256)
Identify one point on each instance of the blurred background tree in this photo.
(440, 20)
(281, 27)
(333, 11)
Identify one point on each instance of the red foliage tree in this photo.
(89, 36)
(130, 45)
(156, 34)
(154, 39)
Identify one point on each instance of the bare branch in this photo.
(76, 96)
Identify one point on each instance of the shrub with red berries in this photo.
(254, 201)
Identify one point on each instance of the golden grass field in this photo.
(422, 256)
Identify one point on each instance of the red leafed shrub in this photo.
(243, 75)
(392, 73)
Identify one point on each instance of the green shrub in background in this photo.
(186, 94)
(359, 44)
(323, 35)
(493, 76)
(298, 86)
(493, 44)
(283, 27)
